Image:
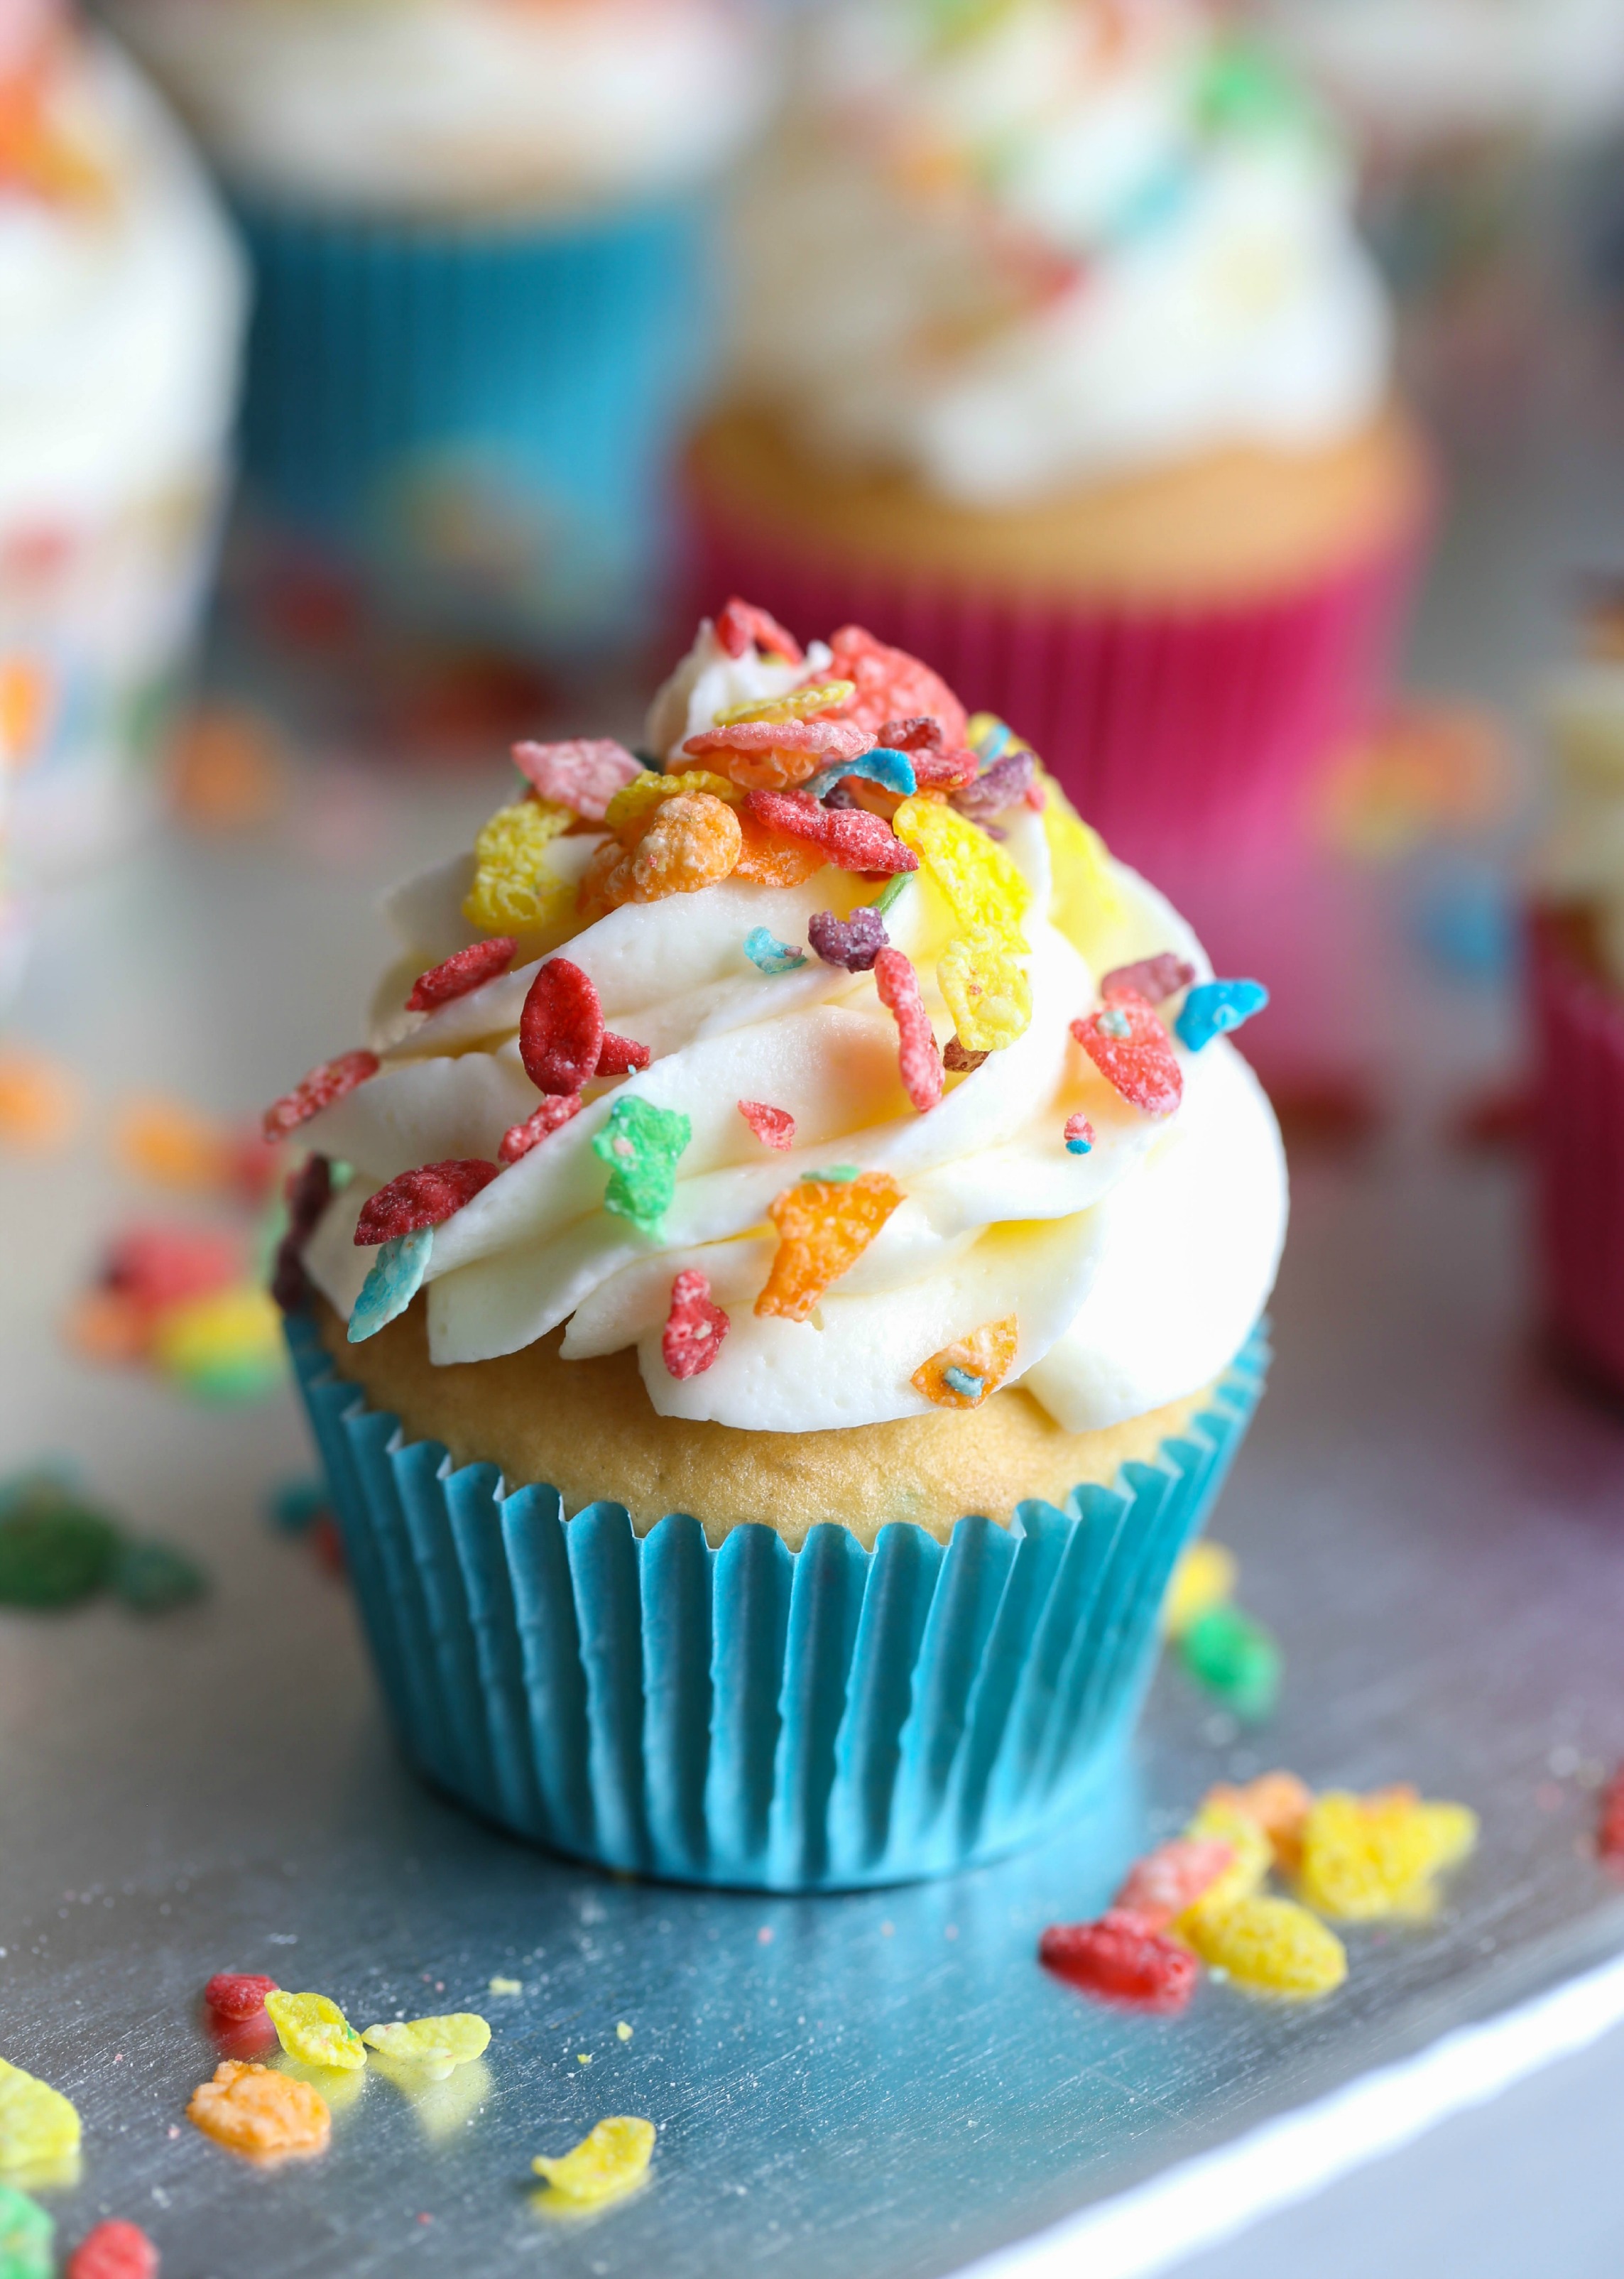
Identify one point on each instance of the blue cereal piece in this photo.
(1212, 1008)
(965, 1382)
(769, 954)
(890, 770)
(394, 1281)
(641, 1144)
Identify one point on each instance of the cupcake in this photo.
(781, 1284)
(1059, 360)
(479, 229)
(120, 311)
(1577, 994)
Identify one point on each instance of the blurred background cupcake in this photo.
(120, 310)
(1059, 361)
(480, 234)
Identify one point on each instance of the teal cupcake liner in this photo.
(818, 1720)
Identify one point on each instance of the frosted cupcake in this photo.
(793, 1286)
(1060, 360)
(120, 311)
(479, 227)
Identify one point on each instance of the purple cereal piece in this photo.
(1005, 782)
(854, 942)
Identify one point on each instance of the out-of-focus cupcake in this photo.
(870, 1138)
(480, 228)
(1060, 361)
(120, 315)
(1577, 986)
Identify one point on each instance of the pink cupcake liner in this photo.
(1173, 730)
(1578, 1141)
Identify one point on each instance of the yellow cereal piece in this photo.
(1270, 1946)
(1454, 1829)
(798, 704)
(980, 725)
(225, 1342)
(986, 985)
(37, 2123)
(982, 886)
(1253, 1856)
(648, 790)
(512, 892)
(610, 2162)
(1279, 1802)
(1083, 901)
(453, 2041)
(507, 1986)
(1364, 1858)
(1203, 1578)
(265, 2115)
(310, 2027)
(39, 1100)
(963, 1374)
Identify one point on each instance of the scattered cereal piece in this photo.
(500, 1986)
(1131, 1050)
(1203, 1578)
(1173, 1877)
(395, 1277)
(1234, 1658)
(561, 1029)
(854, 942)
(554, 1113)
(319, 1090)
(427, 1197)
(963, 1374)
(1123, 1958)
(1154, 978)
(37, 2123)
(641, 1144)
(1212, 1008)
(226, 771)
(824, 1225)
(26, 2233)
(1279, 1803)
(982, 886)
(1079, 1135)
(1269, 1946)
(39, 1100)
(801, 704)
(311, 2027)
(266, 2115)
(149, 1578)
(1367, 1857)
(739, 625)
(462, 974)
(582, 774)
(694, 1328)
(1215, 1822)
(451, 2041)
(513, 891)
(239, 1994)
(113, 2251)
(774, 1127)
(1610, 1821)
(892, 685)
(917, 1054)
(158, 1267)
(623, 2032)
(769, 954)
(957, 1062)
(610, 2162)
(1005, 784)
(104, 1326)
(620, 1055)
(53, 1555)
(849, 838)
(986, 985)
(171, 1145)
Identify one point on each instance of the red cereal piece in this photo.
(1173, 1877)
(561, 1029)
(318, 1090)
(156, 1267)
(113, 2251)
(619, 1055)
(1132, 1051)
(238, 1995)
(1154, 978)
(583, 774)
(849, 837)
(944, 770)
(694, 1328)
(554, 1113)
(1121, 1958)
(427, 1197)
(458, 975)
(738, 624)
(920, 1060)
(774, 1127)
(891, 684)
(821, 739)
(1610, 1827)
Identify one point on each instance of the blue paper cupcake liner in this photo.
(479, 419)
(817, 1720)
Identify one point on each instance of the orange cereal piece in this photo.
(1278, 1803)
(109, 1326)
(964, 1373)
(693, 842)
(171, 1145)
(267, 2115)
(824, 1226)
(39, 1100)
(770, 858)
(226, 771)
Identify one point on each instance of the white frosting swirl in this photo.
(1050, 248)
(1135, 1271)
(431, 107)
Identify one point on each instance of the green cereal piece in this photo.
(641, 1143)
(438, 2043)
(1234, 1659)
(25, 2236)
(151, 1577)
(310, 2027)
(55, 1557)
(888, 895)
(37, 2123)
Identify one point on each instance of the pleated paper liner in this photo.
(1578, 1146)
(817, 1720)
